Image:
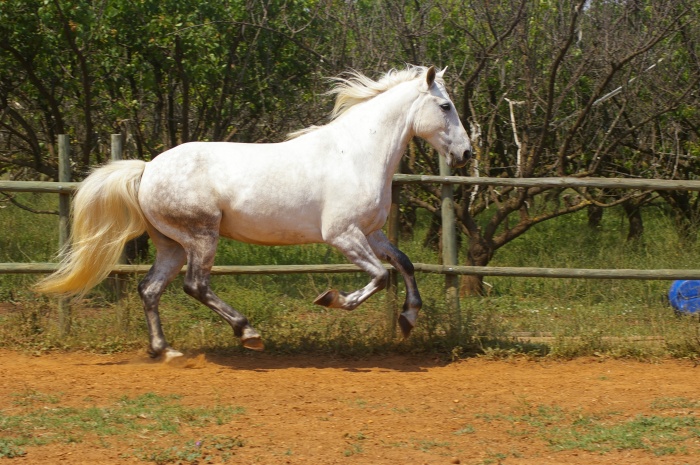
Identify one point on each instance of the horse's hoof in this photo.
(171, 354)
(405, 325)
(254, 343)
(328, 298)
(167, 353)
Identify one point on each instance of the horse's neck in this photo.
(385, 120)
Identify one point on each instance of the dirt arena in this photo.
(384, 410)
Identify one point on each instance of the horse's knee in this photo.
(149, 297)
(142, 289)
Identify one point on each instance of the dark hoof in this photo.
(405, 326)
(327, 299)
(254, 343)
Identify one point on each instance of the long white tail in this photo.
(106, 214)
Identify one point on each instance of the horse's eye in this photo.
(445, 106)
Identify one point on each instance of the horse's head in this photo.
(436, 120)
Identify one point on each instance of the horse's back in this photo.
(249, 190)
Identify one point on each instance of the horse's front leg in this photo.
(356, 248)
(413, 303)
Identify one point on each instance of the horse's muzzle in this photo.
(459, 162)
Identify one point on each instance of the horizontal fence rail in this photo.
(527, 272)
(49, 187)
(563, 182)
(560, 182)
(41, 187)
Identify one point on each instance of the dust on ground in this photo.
(318, 410)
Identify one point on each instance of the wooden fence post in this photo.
(64, 175)
(449, 251)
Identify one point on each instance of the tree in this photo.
(162, 73)
(558, 89)
(547, 88)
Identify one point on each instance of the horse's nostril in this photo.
(467, 154)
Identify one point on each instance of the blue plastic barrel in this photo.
(684, 297)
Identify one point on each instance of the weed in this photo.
(357, 437)
(210, 449)
(352, 450)
(426, 445)
(11, 449)
(465, 430)
(354, 447)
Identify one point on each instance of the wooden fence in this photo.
(64, 188)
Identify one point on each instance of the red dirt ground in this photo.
(382, 410)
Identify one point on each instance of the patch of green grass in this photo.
(423, 445)
(616, 318)
(659, 434)
(42, 420)
(32, 397)
(571, 430)
(426, 445)
(589, 316)
(494, 458)
(675, 403)
(353, 449)
(354, 443)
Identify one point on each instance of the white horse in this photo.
(326, 184)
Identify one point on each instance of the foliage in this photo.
(551, 88)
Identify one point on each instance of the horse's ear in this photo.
(430, 76)
(440, 74)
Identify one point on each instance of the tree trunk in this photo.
(685, 211)
(479, 254)
(595, 216)
(634, 216)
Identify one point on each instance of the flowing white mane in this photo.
(357, 88)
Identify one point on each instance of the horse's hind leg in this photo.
(200, 258)
(170, 257)
(385, 250)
